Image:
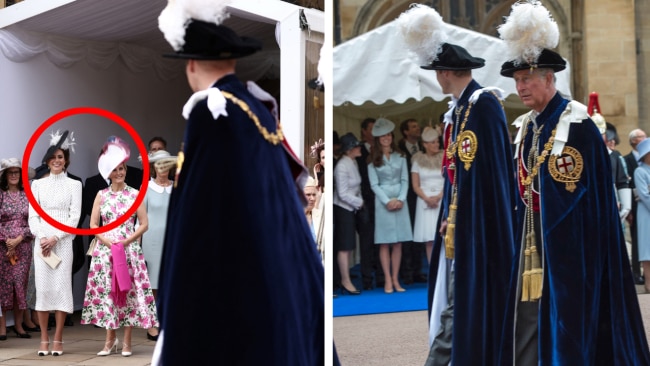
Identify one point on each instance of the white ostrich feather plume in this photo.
(528, 30)
(424, 32)
(69, 142)
(173, 20)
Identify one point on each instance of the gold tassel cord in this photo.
(449, 240)
(525, 277)
(533, 273)
(536, 275)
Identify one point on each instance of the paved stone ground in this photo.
(400, 339)
(81, 344)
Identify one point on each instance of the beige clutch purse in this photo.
(91, 247)
(53, 260)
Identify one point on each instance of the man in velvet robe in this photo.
(238, 249)
(583, 309)
(478, 164)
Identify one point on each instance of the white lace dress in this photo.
(431, 182)
(60, 197)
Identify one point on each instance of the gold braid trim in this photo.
(533, 273)
(452, 150)
(274, 138)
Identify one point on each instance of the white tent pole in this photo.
(292, 82)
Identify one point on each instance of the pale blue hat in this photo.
(643, 148)
(382, 126)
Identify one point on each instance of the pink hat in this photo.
(114, 153)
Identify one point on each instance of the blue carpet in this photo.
(377, 302)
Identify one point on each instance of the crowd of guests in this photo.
(373, 183)
(38, 255)
(367, 182)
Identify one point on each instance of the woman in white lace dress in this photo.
(60, 197)
(427, 181)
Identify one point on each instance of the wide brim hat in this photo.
(348, 141)
(14, 163)
(643, 148)
(454, 57)
(208, 41)
(114, 153)
(162, 159)
(311, 182)
(159, 155)
(382, 127)
(547, 60)
(429, 134)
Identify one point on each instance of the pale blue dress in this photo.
(390, 181)
(156, 202)
(642, 183)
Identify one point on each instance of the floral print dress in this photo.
(13, 223)
(99, 309)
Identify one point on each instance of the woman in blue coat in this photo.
(388, 175)
(642, 183)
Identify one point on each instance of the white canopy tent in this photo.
(61, 54)
(68, 53)
(374, 75)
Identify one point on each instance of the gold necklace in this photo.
(533, 271)
(533, 156)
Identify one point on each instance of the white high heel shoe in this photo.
(57, 353)
(110, 349)
(126, 353)
(44, 353)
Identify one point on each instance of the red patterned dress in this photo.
(13, 223)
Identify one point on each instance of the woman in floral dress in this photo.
(100, 307)
(15, 245)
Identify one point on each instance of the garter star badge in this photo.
(567, 167)
(467, 145)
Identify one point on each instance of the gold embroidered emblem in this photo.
(467, 145)
(566, 167)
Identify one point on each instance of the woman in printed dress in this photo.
(15, 245)
(101, 302)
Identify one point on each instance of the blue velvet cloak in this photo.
(589, 311)
(241, 281)
(484, 236)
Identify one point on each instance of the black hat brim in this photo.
(247, 47)
(547, 60)
(508, 69)
(432, 66)
(456, 58)
(350, 146)
(209, 41)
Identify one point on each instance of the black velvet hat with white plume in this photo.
(193, 28)
(425, 36)
(530, 33)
